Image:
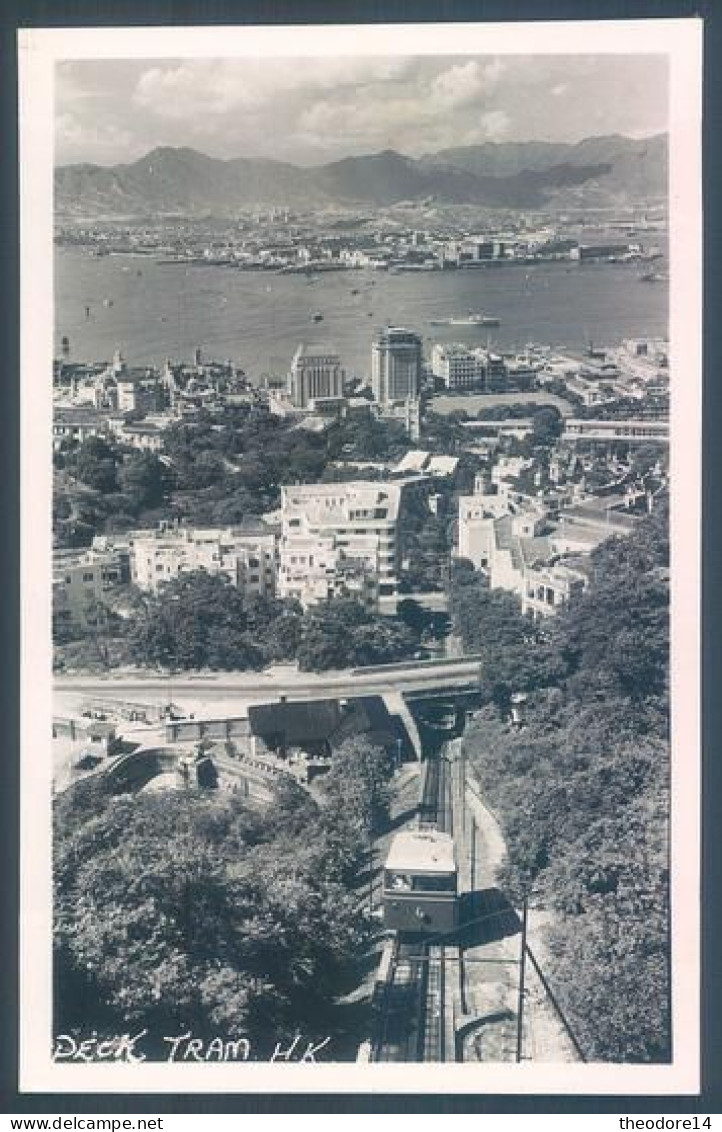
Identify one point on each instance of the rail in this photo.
(412, 996)
(555, 1005)
(411, 665)
(435, 806)
(411, 1000)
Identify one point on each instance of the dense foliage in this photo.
(582, 786)
(213, 471)
(201, 620)
(187, 911)
(359, 784)
(516, 654)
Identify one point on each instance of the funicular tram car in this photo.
(420, 883)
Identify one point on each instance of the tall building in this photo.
(316, 372)
(395, 365)
(340, 539)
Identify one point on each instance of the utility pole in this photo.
(462, 754)
(522, 971)
(472, 850)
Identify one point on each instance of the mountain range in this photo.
(613, 171)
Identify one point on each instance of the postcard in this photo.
(361, 445)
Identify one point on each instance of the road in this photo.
(215, 690)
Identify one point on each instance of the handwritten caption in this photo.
(127, 1048)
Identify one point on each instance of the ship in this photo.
(317, 316)
(467, 320)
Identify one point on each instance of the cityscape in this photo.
(360, 594)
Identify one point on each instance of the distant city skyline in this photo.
(311, 110)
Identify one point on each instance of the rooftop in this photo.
(422, 851)
(316, 350)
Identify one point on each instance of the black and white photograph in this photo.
(360, 393)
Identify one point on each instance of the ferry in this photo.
(467, 320)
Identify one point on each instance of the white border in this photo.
(39, 50)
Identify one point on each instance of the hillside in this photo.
(613, 170)
(582, 788)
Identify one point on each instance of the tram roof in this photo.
(422, 850)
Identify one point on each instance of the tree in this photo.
(547, 425)
(359, 781)
(95, 463)
(342, 633)
(183, 911)
(144, 479)
(582, 787)
(516, 654)
(199, 620)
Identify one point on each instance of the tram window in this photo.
(403, 882)
(435, 883)
(398, 882)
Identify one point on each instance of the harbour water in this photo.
(256, 319)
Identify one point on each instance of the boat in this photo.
(468, 320)
(317, 316)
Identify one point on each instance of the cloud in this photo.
(465, 82)
(312, 109)
(495, 125)
(104, 139)
(221, 86)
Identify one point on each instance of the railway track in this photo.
(414, 988)
(435, 807)
(413, 1023)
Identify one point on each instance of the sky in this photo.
(312, 110)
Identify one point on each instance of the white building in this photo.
(516, 556)
(144, 437)
(77, 423)
(395, 365)
(456, 365)
(641, 431)
(316, 372)
(340, 540)
(246, 556)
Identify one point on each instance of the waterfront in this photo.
(256, 319)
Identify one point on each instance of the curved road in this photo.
(247, 687)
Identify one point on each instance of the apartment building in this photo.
(80, 580)
(245, 555)
(517, 555)
(460, 367)
(340, 540)
(457, 366)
